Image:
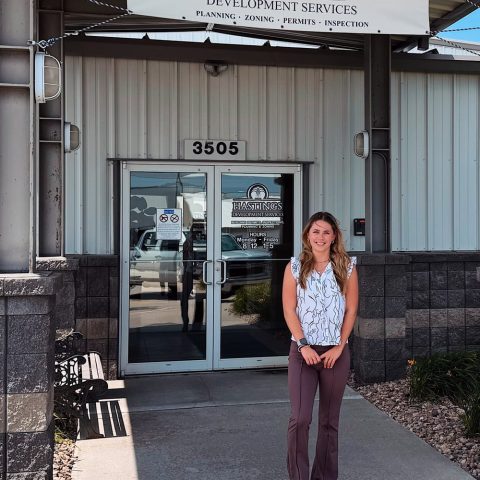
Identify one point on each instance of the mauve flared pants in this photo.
(302, 384)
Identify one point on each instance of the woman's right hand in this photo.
(310, 356)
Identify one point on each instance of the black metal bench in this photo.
(79, 380)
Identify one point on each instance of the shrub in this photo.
(253, 299)
(471, 417)
(65, 428)
(452, 375)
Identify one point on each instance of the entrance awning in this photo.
(80, 14)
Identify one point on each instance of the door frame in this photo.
(127, 368)
(213, 171)
(249, 362)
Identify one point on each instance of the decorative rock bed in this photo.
(63, 460)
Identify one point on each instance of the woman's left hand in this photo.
(330, 356)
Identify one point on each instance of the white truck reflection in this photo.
(153, 260)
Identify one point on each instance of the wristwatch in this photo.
(302, 342)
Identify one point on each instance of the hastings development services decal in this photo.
(257, 203)
(408, 17)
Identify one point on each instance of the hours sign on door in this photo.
(169, 223)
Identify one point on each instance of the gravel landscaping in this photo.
(64, 452)
(63, 460)
(439, 424)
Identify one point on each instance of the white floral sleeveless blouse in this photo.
(321, 305)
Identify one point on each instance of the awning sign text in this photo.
(408, 17)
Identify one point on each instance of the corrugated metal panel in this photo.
(438, 121)
(343, 177)
(74, 197)
(435, 171)
(162, 110)
(252, 108)
(409, 165)
(466, 187)
(140, 109)
(97, 78)
(145, 109)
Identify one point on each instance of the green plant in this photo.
(253, 299)
(65, 428)
(452, 375)
(471, 417)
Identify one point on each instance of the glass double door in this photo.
(204, 249)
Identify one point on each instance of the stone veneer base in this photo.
(414, 305)
(97, 307)
(27, 339)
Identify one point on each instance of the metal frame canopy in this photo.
(79, 14)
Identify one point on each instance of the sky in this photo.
(472, 20)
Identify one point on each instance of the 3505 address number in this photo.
(220, 149)
(211, 148)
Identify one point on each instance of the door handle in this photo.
(204, 272)
(224, 272)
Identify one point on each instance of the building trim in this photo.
(205, 161)
(266, 56)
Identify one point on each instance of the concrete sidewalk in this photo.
(232, 426)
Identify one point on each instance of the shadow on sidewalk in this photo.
(106, 418)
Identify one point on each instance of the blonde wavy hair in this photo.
(338, 255)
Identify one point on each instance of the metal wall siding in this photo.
(222, 95)
(278, 112)
(396, 192)
(161, 110)
(252, 108)
(307, 102)
(356, 196)
(342, 176)
(95, 105)
(74, 160)
(101, 239)
(465, 163)
(93, 133)
(440, 152)
(145, 109)
(435, 168)
(414, 168)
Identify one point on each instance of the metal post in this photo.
(377, 123)
(17, 137)
(51, 155)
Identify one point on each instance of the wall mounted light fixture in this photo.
(48, 77)
(361, 146)
(71, 138)
(215, 67)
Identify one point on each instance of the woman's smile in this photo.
(321, 235)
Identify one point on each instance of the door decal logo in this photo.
(257, 203)
(257, 191)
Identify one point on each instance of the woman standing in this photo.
(320, 298)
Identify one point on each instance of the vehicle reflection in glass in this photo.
(160, 269)
(243, 266)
